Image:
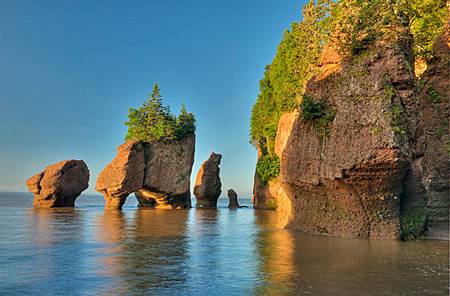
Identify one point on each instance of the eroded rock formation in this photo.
(346, 179)
(158, 174)
(207, 183)
(59, 184)
(233, 199)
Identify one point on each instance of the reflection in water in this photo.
(152, 250)
(294, 262)
(200, 252)
(276, 262)
(112, 231)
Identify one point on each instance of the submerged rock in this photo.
(158, 173)
(59, 184)
(233, 199)
(207, 183)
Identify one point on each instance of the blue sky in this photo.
(69, 70)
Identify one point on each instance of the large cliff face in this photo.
(158, 174)
(433, 147)
(364, 171)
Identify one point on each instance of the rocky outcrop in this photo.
(267, 196)
(433, 151)
(158, 174)
(233, 199)
(59, 184)
(346, 178)
(380, 168)
(207, 183)
(123, 175)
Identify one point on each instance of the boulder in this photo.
(59, 184)
(207, 183)
(158, 173)
(233, 199)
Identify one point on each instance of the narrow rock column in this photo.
(207, 183)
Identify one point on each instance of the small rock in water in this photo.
(233, 199)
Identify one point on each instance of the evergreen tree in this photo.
(185, 122)
(154, 121)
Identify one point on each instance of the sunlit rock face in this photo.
(351, 180)
(271, 195)
(158, 174)
(208, 187)
(59, 184)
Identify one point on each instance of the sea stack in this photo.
(207, 183)
(233, 199)
(158, 173)
(59, 184)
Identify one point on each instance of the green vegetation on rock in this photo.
(153, 121)
(295, 62)
(356, 24)
(268, 168)
(413, 223)
(271, 204)
(318, 113)
(433, 95)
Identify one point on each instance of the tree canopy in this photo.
(153, 121)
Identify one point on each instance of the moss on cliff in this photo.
(413, 223)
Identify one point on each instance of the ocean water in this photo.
(89, 251)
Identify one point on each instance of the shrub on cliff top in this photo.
(153, 121)
(295, 62)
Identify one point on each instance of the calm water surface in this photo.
(89, 251)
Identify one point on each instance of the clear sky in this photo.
(69, 70)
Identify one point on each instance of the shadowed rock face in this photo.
(233, 199)
(207, 183)
(434, 144)
(59, 184)
(158, 174)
